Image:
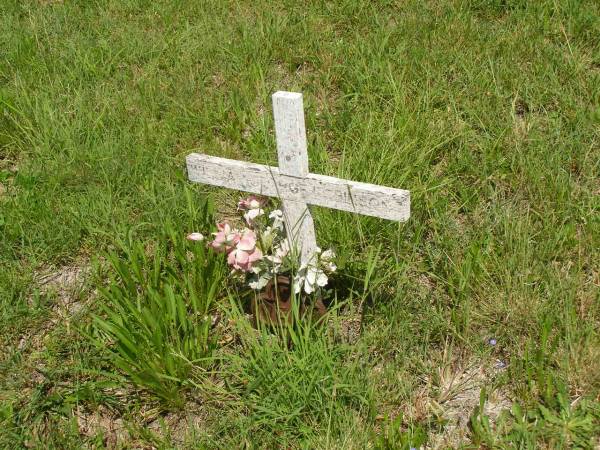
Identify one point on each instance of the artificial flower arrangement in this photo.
(260, 252)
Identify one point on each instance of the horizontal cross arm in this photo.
(363, 198)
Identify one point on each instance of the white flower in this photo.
(259, 281)
(326, 261)
(314, 276)
(277, 217)
(252, 206)
(309, 278)
(195, 237)
(298, 282)
(328, 255)
(252, 214)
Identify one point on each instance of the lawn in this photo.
(476, 324)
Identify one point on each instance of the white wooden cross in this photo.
(294, 184)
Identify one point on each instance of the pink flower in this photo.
(252, 205)
(252, 202)
(225, 238)
(245, 253)
(195, 237)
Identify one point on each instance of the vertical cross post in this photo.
(290, 134)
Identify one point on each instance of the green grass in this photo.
(487, 110)
(154, 315)
(301, 387)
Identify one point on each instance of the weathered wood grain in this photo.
(320, 190)
(290, 135)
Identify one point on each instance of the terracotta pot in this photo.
(273, 305)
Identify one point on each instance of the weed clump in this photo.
(154, 319)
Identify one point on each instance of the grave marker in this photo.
(294, 184)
